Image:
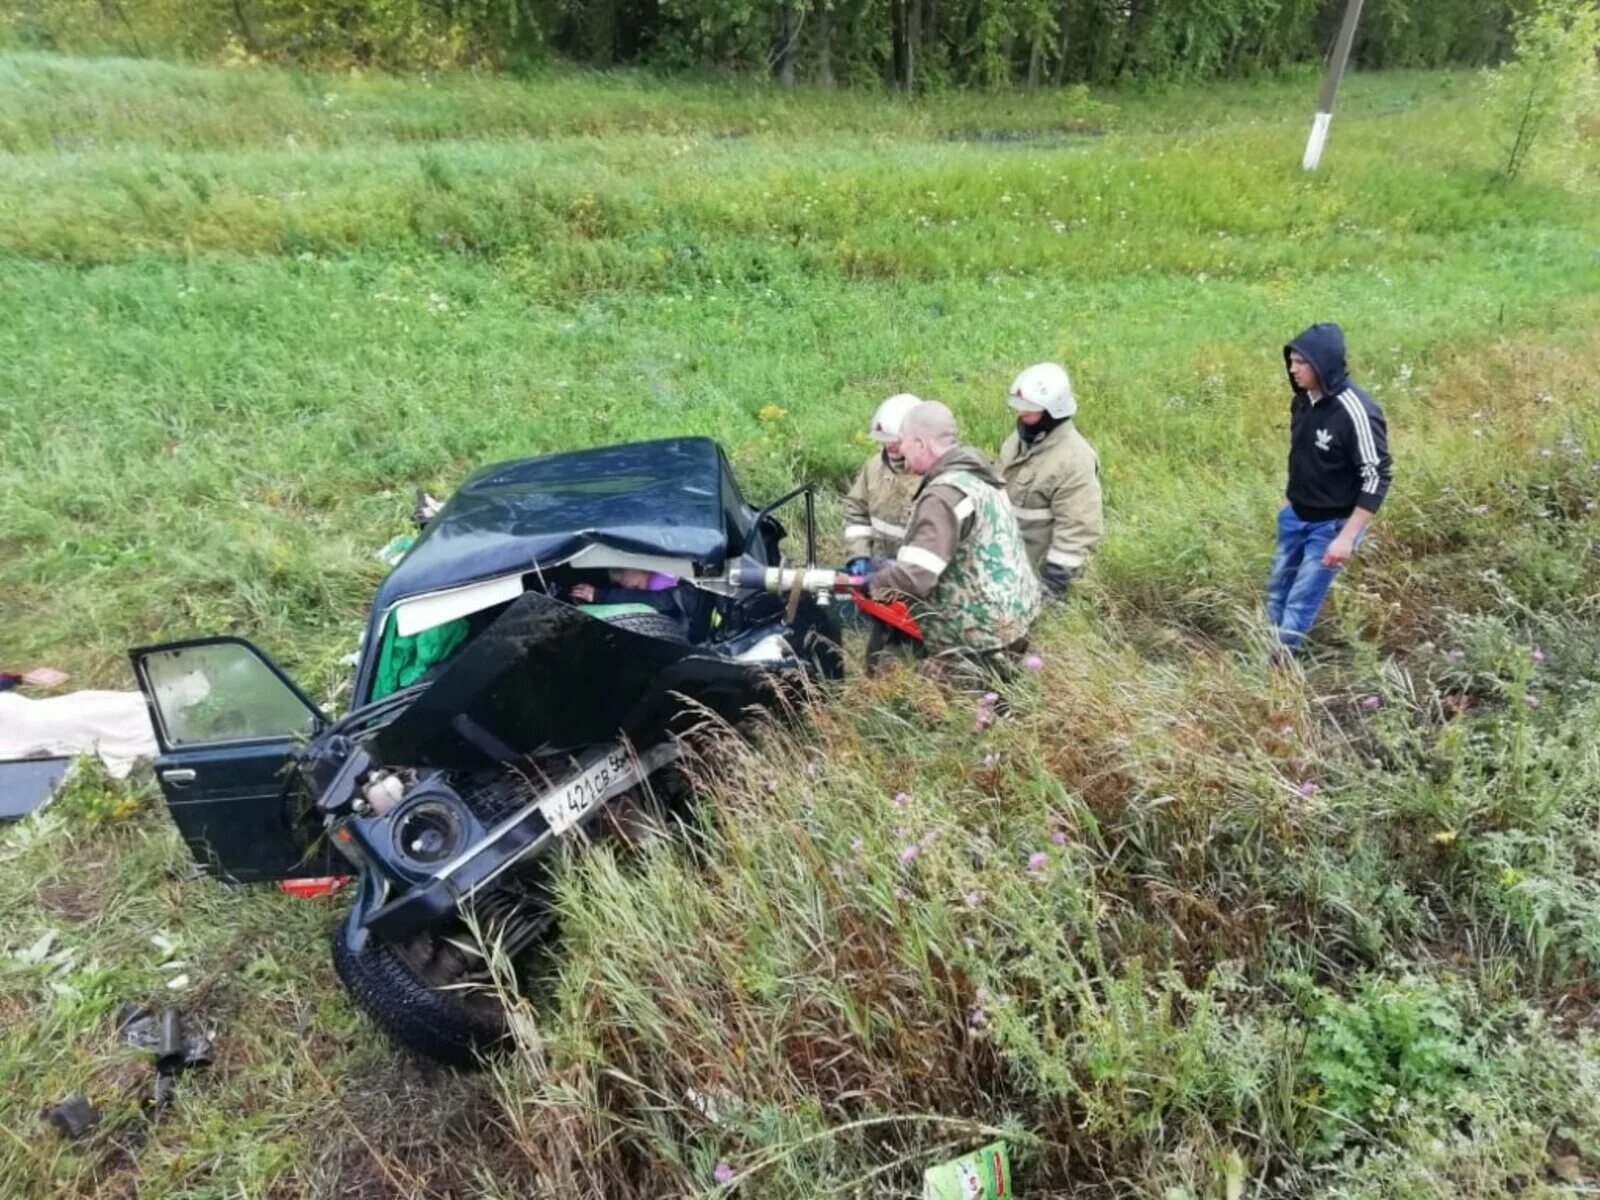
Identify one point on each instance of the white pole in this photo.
(1330, 86)
(1317, 140)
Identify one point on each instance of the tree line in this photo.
(910, 45)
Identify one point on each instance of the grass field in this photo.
(1333, 934)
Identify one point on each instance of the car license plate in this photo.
(574, 800)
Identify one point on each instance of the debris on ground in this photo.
(74, 1117)
(27, 786)
(982, 1175)
(311, 889)
(175, 1047)
(44, 677)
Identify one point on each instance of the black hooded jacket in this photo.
(1338, 444)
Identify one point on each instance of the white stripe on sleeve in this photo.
(852, 532)
(1366, 448)
(916, 556)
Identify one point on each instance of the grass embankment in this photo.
(1294, 934)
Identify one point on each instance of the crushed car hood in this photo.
(546, 678)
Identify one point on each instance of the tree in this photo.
(1550, 84)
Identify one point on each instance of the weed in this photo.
(1178, 926)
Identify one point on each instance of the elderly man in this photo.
(963, 564)
(1053, 477)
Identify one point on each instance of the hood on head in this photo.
(1323, 347)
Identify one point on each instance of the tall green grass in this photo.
(1324, 932)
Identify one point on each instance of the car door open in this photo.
(228, 722)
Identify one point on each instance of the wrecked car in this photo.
(533, 661)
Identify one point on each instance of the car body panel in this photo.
(226, 775)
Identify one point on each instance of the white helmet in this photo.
(1044, 386)
(891, 414)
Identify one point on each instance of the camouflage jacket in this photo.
(963, 564)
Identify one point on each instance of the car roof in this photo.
(674, 497)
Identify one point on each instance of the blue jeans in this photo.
(1299, 582)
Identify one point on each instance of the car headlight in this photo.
(429, 828)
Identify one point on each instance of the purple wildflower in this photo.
(975, 1018)
(972, 899)
(1456, 655)
(1538, 656)
(1033, 663)
(909, 854)
(723, 1173)
(990, 759)
(1308, 789)
(901, 799)
(1531, 700)
(1370, 702)
(1059, 837)
(1038, 860)
(990, 699)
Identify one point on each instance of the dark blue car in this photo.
(540, 656)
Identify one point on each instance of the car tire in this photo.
(652, 625)
(413, 1014)
(817, 638)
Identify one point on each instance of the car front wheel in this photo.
(419, 993)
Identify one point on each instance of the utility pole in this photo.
(1330, 86)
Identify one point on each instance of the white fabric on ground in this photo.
(114, 725)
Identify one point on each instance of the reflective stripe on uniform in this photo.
(1032, 514)
(1063, 559)
(916, 556)
(852, 532)
(883, 527)
(964, 508)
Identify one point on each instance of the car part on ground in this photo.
(28, 785)
(74, 1118)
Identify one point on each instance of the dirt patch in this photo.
(76, 903)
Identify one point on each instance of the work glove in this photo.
(1057, 580)
(858, 566)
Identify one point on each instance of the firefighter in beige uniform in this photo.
(876, 507)
(1053, 478)
(963, 565)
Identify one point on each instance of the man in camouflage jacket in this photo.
(963, 564)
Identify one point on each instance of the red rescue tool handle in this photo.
(896, 614)
(793, 580)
